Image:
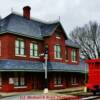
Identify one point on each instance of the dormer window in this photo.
(74, 55)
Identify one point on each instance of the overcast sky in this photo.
(72, 12)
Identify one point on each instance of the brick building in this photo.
(22, 40)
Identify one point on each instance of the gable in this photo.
(60, 29)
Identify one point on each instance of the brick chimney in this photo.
(26, 12)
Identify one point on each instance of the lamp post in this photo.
(46, 70)
(45, 54)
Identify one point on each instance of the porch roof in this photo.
(30, 66)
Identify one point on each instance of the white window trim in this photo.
(74, 84)
(20, 55)
(58, 85)
(20, 86)
(55, 54)
(66, 60)
(58, 37)
(74, 61)
(58, 58)
(34, 57)
(76, 56)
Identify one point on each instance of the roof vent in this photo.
(26, 12)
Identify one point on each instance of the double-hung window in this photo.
(0, 80)
(58, 80)
(57, 51)
(74, 55)
(0, 48)
(19, 47)
(73, 80)
(19, 80)
(33, 50)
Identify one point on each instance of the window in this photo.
(58, 80)
(58, 35)
(57, 50)
(66, 53)
(0, 47)
(73, 80)
(16, 83)
(19, 79)
(0, 80)
(33, 50)
(19, 47)
(73, 55)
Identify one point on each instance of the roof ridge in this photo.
(36, 19)
(18, 24)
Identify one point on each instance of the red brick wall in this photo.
(69, 61)
(51, 41)
(66, 80)
(36, 81)
(8, 47)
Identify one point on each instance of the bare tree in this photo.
(88, 38)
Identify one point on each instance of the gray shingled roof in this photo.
(23, 65)
(71, 43)
(19, 25)
(33, 28)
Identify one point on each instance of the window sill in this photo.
(58, 58)
(74, 61)
(58, 85)
(58, 37)
(74, 84)
(34, 57)
(20, 87)
(20, 55)
(66, 60)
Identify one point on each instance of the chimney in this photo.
(26, 12)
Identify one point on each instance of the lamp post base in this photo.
(85, 89)
(45, 90)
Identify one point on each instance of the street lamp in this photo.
(45, 54)
(46, 72)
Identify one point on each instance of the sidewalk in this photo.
(40, 92)
(69, 89)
